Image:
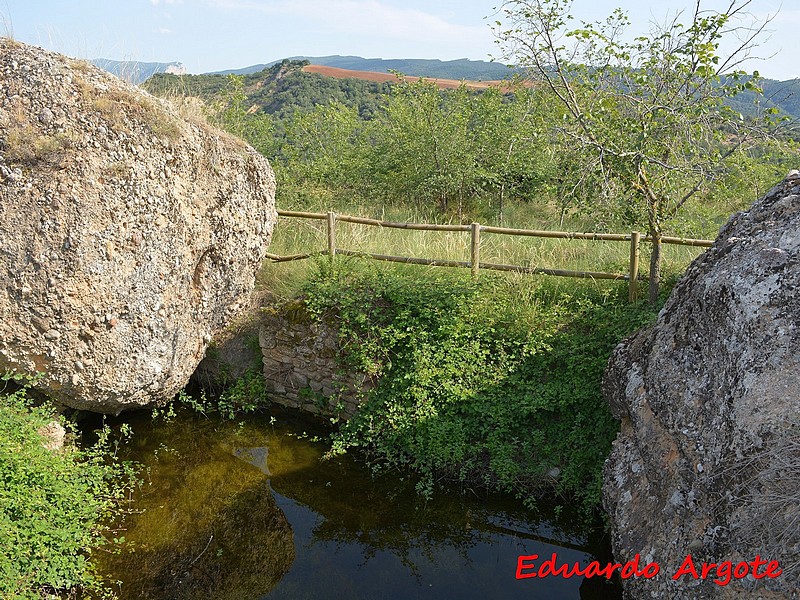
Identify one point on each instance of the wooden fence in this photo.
(474, 263)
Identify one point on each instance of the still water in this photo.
(250, 510)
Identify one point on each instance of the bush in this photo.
(53, 505)
(494, 382)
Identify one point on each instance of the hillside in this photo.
(784, 95)
(473, 70)
(279, 90)
(445, 84)
(291, 86)
(283, 88)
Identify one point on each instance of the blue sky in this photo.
(209, 35)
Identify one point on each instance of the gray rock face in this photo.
(129, 235)
(707, 463)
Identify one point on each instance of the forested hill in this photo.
(284, 87)
(472, 70)
(279, 90)
(783, 94)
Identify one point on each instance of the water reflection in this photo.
(255, 456)
(249, 511)
(205, 527)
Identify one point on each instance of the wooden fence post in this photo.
(475, 249)
(331, 235)
(633, 273)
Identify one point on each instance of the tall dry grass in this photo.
(297, 235)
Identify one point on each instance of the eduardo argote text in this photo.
(722, 573)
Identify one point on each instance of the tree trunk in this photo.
(502, 196)
(655, 268)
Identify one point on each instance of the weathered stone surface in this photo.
(53, 436)
(129, 236)
(708, 459)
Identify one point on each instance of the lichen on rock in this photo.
(709, 399)
(130, 236)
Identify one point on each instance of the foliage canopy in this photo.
(649, 112)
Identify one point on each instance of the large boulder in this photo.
(707, 463)
(129, 235)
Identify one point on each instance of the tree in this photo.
(233, 114)
(649, 112)
(329, 153)
(452, 149)
(509, 135)
(424, 143)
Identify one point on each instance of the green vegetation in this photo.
(245, 395)
(54, 504)
(649, 114)
(496, 381)
(489, 383)
(278, 91)
(495, 157)
(492, 382)
(666, 137)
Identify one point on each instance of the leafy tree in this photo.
(425, 146)
(329, 149)
(234, 113)
(442, 150)
(649, 112)
(513, 152)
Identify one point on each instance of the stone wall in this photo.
(301, 369)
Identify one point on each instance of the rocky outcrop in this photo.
(707, 463)
(129, 235)
(53, 436)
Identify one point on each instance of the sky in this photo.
(212, 35)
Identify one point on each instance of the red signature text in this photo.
(526, 568)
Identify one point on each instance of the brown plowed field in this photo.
(445, 84)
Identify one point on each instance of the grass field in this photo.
(297, 235)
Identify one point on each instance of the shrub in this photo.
(54, 505)
(494, 382)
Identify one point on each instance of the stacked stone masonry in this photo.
(301, 366)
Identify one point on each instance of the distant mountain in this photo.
(137, 72)
(245, 70)
(472, 70)
(280, 90)
(784, 95)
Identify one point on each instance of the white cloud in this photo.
(164, 31)
(363, 17)
(157, 2)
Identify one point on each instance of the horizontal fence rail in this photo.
(475, 229)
